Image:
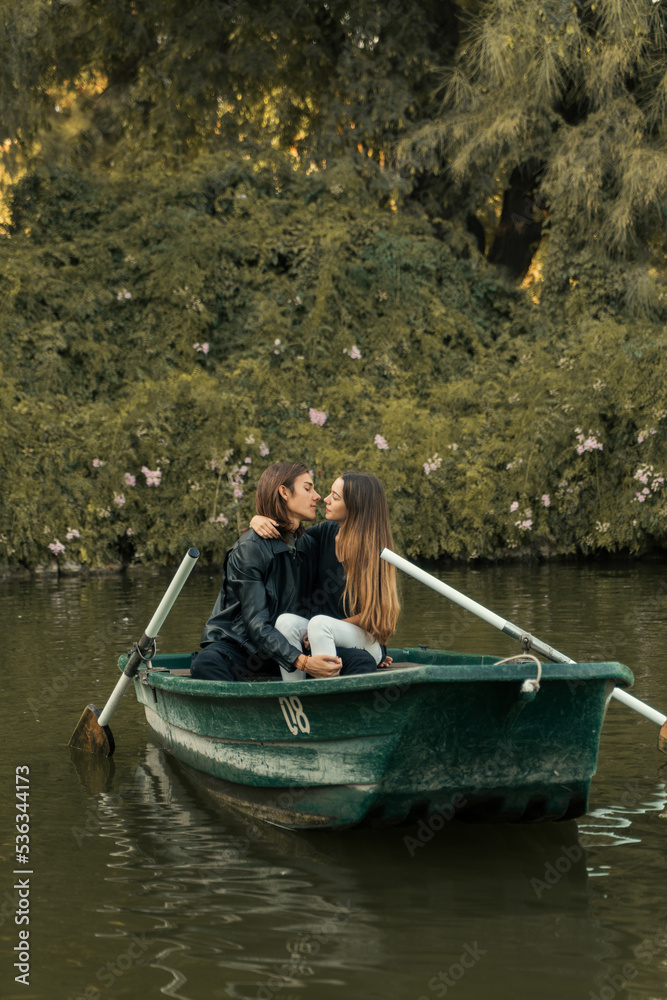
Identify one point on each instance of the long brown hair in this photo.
(370, 588)
(268, 500)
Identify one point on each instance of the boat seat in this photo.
(401, 666)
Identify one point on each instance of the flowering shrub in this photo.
(503, 437)
(153, 477)
(317, 417)
(590, 443)
(431, 464)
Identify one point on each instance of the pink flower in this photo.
(381, 442)
(317, 417)
(263, 450)
(243, 470)
(353, 353)
(546, 500)
(129, 479)
(129, 531)
(98, 463)
(119, 499)
(590, 443)
(238, 493)
(153, 477)
(524, 525)
(202, 348)
(72, 533)
(56, 547)
(220, 519)
(514, 506)
(427, 468)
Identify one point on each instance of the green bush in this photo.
(188, 324)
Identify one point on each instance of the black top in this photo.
(259, 582)
(322, 575)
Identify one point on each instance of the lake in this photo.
(139, 886)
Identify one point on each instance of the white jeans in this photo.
(325, 634)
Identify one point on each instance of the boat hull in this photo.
(429, 741)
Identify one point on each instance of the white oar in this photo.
(92, 732)
(525, 638)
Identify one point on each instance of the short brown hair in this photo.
(268, 500)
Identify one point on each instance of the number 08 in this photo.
(295, 717)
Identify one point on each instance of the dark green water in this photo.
(141, 888)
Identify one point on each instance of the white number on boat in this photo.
(295, 717)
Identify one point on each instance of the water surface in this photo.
(140, 886)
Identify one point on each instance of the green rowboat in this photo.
(438, 735)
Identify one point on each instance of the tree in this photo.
(554, 121)
(134, 82)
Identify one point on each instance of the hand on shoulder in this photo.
(265, 527)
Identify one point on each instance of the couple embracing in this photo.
(315, 603)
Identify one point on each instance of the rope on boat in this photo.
(531, 684)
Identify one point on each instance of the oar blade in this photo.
(90, 736)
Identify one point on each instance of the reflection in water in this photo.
(143, 887)
(605, 824)
(327, 906)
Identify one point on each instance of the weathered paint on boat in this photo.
(447, 734)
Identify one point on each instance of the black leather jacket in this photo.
(260, 581)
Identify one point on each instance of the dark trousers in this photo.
(223, 660)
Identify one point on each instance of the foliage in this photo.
(214, 257)
(161, 343)
(553, 121)
(154, 82)
(558, 113)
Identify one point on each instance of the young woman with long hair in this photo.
(260, 580)
(349, 593)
